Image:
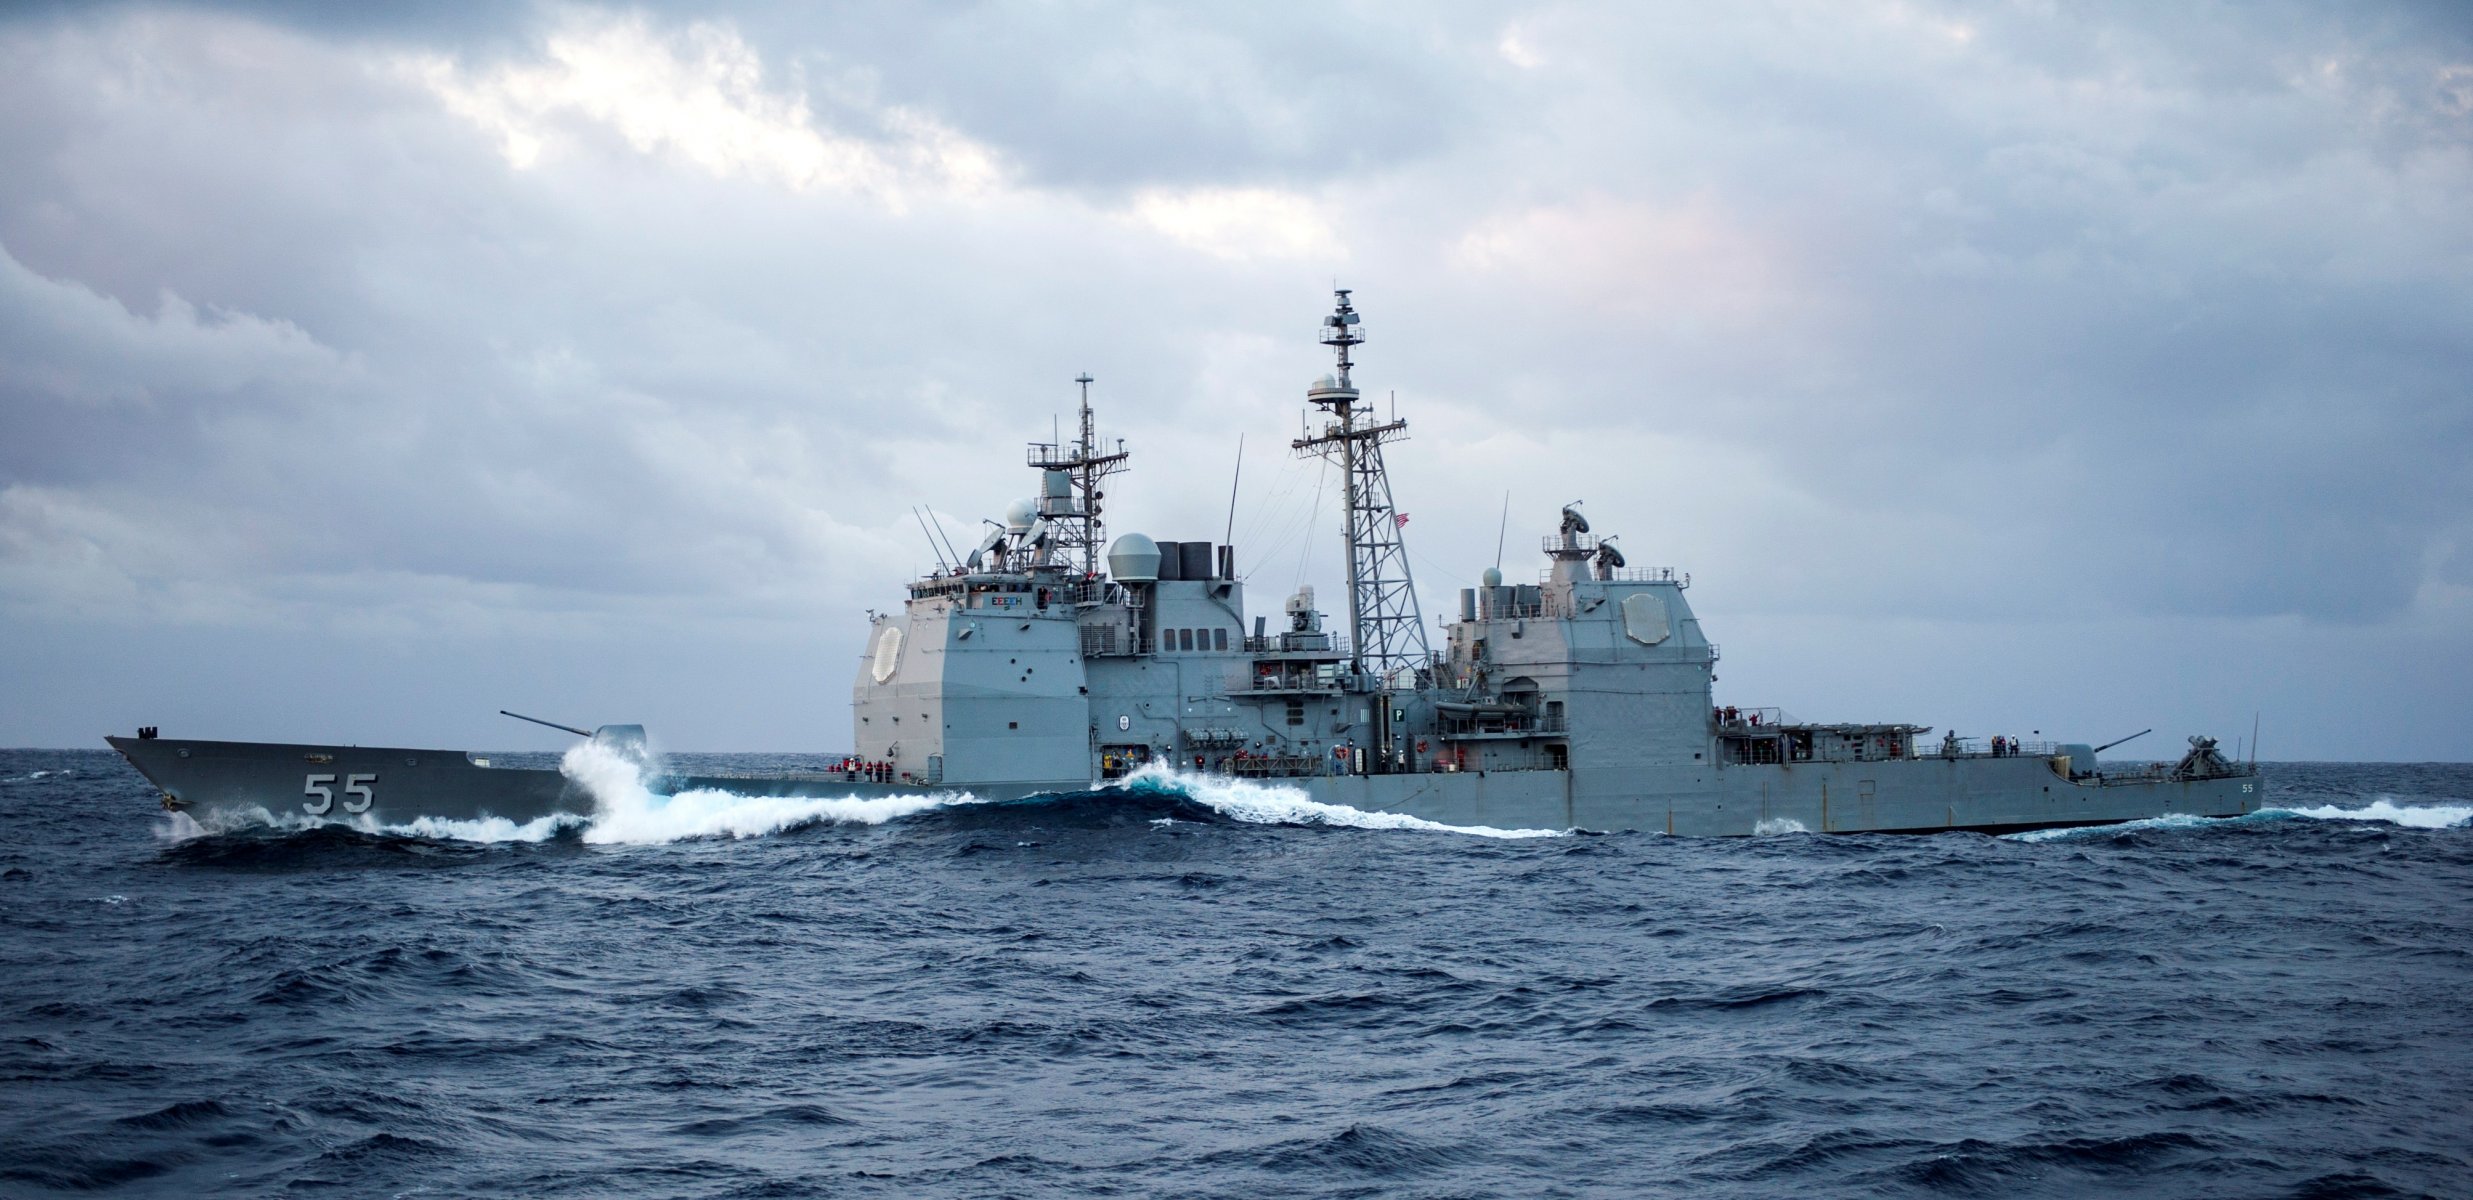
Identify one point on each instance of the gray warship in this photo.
(1049, 659)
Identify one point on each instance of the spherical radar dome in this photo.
(1020, 514)
(1134, 558)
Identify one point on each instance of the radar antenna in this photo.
(1387, 631)
(1075, 527)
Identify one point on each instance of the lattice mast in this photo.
(1079, 532)
(1388, 632)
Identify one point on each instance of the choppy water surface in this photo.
(1216, 993)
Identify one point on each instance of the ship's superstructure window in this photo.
(1219, 639)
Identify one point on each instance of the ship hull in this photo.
(224, 784)
(1924, 795)
(228, 784)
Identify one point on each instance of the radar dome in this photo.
(1134, 558)
(1493, 577)
(1020, 514)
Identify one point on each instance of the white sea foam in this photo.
(1273, 804)
(1775, 825)
(178, 827)
(489, 829)
(2167, 821)
(2435, 816)
(2384, 809)
(625, 811)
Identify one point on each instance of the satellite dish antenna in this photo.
(1608, 556)
(991, 548)
(1573, 522)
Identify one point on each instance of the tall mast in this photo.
(1080, 530)
(1387, 631)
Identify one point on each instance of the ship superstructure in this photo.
(1581, 700)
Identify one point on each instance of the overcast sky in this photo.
(2068, 369)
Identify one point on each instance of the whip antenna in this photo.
(1229, 538)
(931, 538)
(1501, 528)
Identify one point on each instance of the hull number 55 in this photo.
(357, 796)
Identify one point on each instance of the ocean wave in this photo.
(625, 812)
(2383, 810)
(2416, 816)
(2167, 821)
(1257, 803)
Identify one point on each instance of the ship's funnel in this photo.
(1134, 558)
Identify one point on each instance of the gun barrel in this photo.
(552, 724)
(2117, 741)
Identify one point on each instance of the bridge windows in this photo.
(1187, 641)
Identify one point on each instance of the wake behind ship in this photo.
(1049, 659)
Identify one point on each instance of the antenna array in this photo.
(1388, 632)
(1080, 533)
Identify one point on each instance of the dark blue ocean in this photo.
(1165, 994)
